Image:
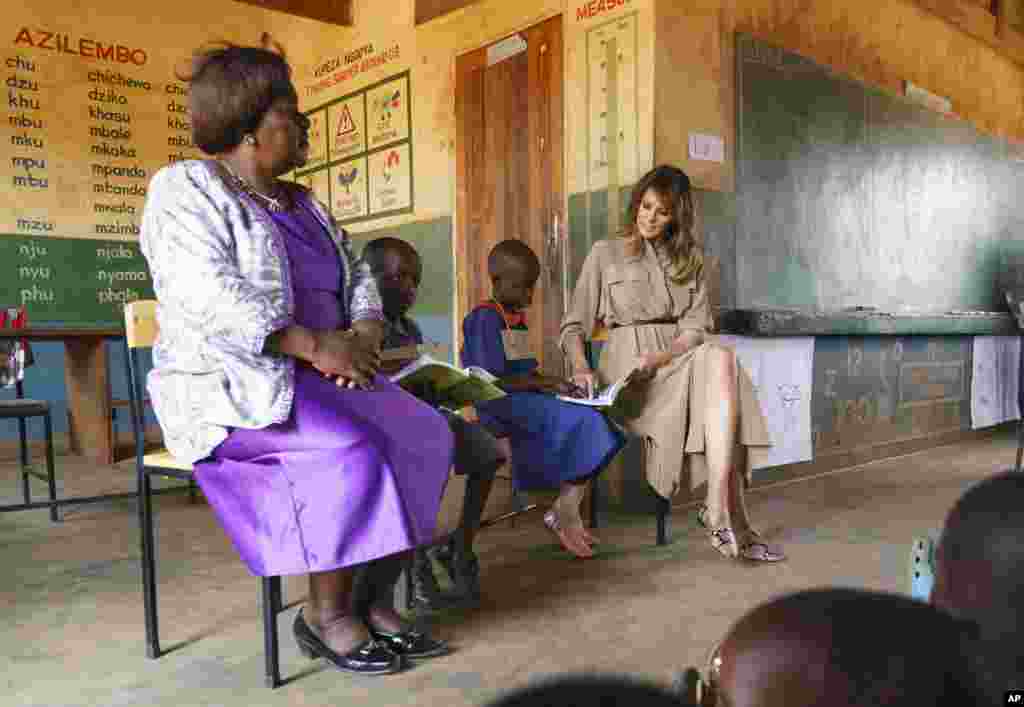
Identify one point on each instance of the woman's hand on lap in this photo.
(649, 363)
(345, 355)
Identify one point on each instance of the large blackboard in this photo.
(850, 197)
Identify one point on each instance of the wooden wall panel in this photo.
(470, 170)
(335, 12)
(690, 89)
(426, 10)
(883, 43)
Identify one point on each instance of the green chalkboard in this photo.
(849, 197)
(72, 281)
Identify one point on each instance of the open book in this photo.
(443, 384)
(605, 398)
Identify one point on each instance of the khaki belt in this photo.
(652, 321)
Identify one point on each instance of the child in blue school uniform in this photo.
(554, 444)
(397, 267)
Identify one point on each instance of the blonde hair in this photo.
(685, 254)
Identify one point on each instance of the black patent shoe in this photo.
(370, 657)
(411, 643)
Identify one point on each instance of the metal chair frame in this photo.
(662, 506)
(23, 456)
(1020, 405)
(270, 587)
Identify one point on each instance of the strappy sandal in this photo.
(724, 540)
(754, 549)
(552, 523)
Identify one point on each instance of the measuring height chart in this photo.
(612, 104)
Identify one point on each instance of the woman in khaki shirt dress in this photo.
(696, 409)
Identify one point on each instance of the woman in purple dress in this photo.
(265, 370)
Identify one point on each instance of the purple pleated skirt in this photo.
(350, 477)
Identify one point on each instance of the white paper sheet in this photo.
(994, 380)
(782, 370)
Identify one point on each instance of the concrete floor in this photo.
(71, 629)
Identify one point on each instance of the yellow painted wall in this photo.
(430, 50)
(685, 76)
(51, 51)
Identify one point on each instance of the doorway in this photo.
(509, 125)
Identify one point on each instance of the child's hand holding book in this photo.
(558, 386)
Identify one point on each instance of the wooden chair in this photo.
(663, 506)
(140, 332)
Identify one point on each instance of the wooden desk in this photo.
(87, 380)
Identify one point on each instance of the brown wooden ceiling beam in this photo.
(426, 10)
(335, 12)
(980, 23)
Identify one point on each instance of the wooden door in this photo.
(510, 172)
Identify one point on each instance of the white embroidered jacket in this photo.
(222, 281)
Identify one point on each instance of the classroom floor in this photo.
(71, 630)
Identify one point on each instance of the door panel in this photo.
(509, 171)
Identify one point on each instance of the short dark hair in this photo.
(375, 249)
(590, 690)
(917, 655)
(231, 88)
(981, 553)
(986, 527)
(512, 250)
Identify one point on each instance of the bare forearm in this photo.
(576, 354)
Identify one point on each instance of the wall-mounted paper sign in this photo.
(317, 139)
(348, 127)
(318, 183)
(937, 103)
(388, 112)
(707, 147)
(390, 179)
(505, 49)
(348, 189)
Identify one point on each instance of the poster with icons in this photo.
(317, 139)
(349, 189)
(367, 169)
(318, 183)
(388, 112)
(348, 127)
(390, 179)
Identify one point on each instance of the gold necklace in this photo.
(273, 204)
